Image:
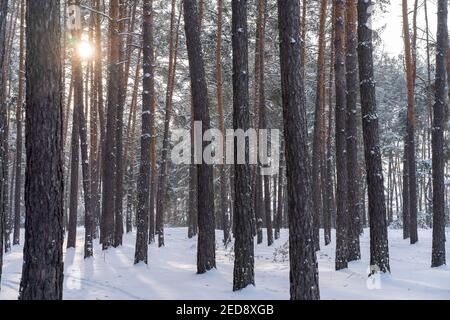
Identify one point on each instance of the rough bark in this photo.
(341, 138)
(351, 61)
(379, 249)
(244, 274)
(206, 255)
(42, 274)
(410, 137)
(19, 141)
(279, 215)
(318, 117)
(109, 152)
(438, 254)
(304, 278)
(96, 122)
(329, 205)
(143, 205)
(225, 221)
(3, 15)
(75, 154)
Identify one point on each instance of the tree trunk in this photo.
(438, 255)
(42, 274)
(317, 155)
(351, 62)
(410, 137)
(279, 215)
(220, 106)
(148, 85)
(264, 183)
(123, 81)
(341, 138)
(405, 195)
(379, 249)
(304, 278)
(206, 255)
(95, 123)
(244, 273)
(19, 141)
(109, 152)
(3, 15)
(75, 149)
(329, 209)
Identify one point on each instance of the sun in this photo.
(85, 50)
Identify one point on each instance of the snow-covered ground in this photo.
(171, 272)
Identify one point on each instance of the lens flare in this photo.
(85, 50)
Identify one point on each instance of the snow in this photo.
(171, 272)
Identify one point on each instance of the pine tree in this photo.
(317, 156)
(109, 152)
(438, 256)
(75, 144)
(351, 61)
(379, 249)
(341, 138)
(3, 14)
(143, 205)
(220, 106)
(244, 273)
(19, 141)
(206, 248)
(42, 274)
(410, 140)
(304, 270)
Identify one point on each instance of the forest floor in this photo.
(171, 272)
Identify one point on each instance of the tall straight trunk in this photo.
(109, 152)
(410, 137)
(220, 108)
(42, 273)
(154, 174)
(438, 255)
(89, 221)
(3, 18)
(148, 85)
(193, 191)
(83, 139)
(96, 119)
(75, 150)
(448, 77)
(405, 195)
(3, 15)
(258, 192)
(329, 209)
(379, 248)
(304, 277)
(265, 181)
(341, 138)
(317, 156)
(279, 215)
(123, 82)
(206, 255)
(351, 61)
(19, 141)
(303, 36)
(162, 181)
(244, 273)
(8, 220)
